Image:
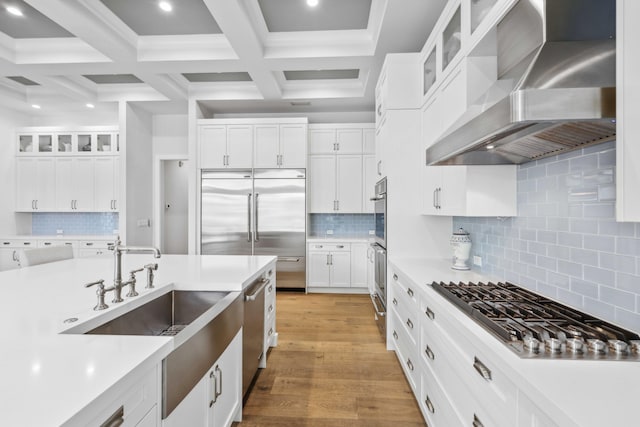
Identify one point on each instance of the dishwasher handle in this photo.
(260, 285)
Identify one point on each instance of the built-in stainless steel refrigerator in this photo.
(257, 212)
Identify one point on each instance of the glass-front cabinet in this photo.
(68, 143)
(478, 11)
(429, 71)
(451, 38)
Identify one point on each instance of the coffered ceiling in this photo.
(234, 56)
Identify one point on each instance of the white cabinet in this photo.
(382, 134)
(335, 183)
(329, 265)
(226, 146)
(359, 265)
(368, 141)
(371, 265)
(217, 398)
(106, 184)
(35, 184)
(74, 183)
(280, 146)
(627, 105)
(54, 141)
(399, 84)
(91, 248)
(370, 178)
(10, 251)
(470, 190)
(340, 139)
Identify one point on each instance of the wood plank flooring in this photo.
(330, 369)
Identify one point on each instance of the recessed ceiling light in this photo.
(36, 106)
(312, 3)
(89, 105)
(14, 10)
(165, 5)
(491, 147)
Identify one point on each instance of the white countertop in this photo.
(581, 393)
(329, 239)
(48, 377)
(60, 237)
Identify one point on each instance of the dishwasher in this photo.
(253, 331)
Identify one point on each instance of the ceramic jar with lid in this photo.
(461, 245)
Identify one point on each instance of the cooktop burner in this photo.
(537, 327)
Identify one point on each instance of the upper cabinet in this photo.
(402, 91)
(100, 140)
(627, 105)
(252, 143)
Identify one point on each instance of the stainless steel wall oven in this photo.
(379, 295)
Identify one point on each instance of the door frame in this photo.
(158, 191)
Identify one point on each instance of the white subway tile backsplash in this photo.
(565, 241)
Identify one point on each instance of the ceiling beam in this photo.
(236, 26)
(166, 85)
(87, 21)
(67, 87)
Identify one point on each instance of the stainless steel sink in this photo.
(195, 351)
(167, 314)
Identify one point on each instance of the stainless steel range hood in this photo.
(555, 90)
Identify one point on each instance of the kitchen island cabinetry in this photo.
(216, 400)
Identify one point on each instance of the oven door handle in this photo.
(375, 199)
(374, 297)
(254, 294)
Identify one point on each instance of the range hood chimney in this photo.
(556, 87)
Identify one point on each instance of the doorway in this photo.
(174, 190)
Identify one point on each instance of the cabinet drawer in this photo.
(94, 244)
(407, 289)
(48, 243)
(434, 403)
(406, 313)
(436, 356)
(333, 247)
(405, 351)
(18, 243)
(492, 389)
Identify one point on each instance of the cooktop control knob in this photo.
(597, 346)
(553, 345)
(618, 346)
(635, 346)
(575, 345)
(532, 344)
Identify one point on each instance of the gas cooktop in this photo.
(536, 327)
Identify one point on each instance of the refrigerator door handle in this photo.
(257, 215)
(249, 217)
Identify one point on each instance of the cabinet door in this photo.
(340, 269)
(453, 197)
(227, 373)
(240, 146)
(432, 180)
(26, 184)
(369, 182)
(349, 141)
(359, 265)
(83, 184)
(213, 146)
(8, 258)
(322, 141)
(46, 185)
(149, 420)
(104, 184)
(267, 146)
(380, 135)
(322, 183)
(349, 183)
(64, 184)
(371, 264)
(293, 146)
(319, 271)
(193, 409)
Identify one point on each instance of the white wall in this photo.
(10, 222)
(102, 115)
(136, 175)
(170, 134)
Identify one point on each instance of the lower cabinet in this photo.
(455, 380)
(217, 398)
(338, 267)
(10, 252)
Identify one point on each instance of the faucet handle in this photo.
(150, 269)
(100, 292)
(132, 273)
(132, 283)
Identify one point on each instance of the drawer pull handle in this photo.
(476, 421)
(410, 364)
(429, 353)
(395, 301)
(116, 419)
(395, 335)
(482, 369)
(270, 331)
(430, 314)
(340, 246)
(409, 323)
(270, 288)
(270, 308)
(395, 277)
(430, 407)
(410, 292)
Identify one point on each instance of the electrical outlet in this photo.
(58, 231)
(372, 232)
(144, 223)
(329, 231)
(477, 260)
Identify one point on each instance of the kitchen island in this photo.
(52, 378)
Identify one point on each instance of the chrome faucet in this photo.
(118, 250)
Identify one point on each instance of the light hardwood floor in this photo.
(330, 369)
